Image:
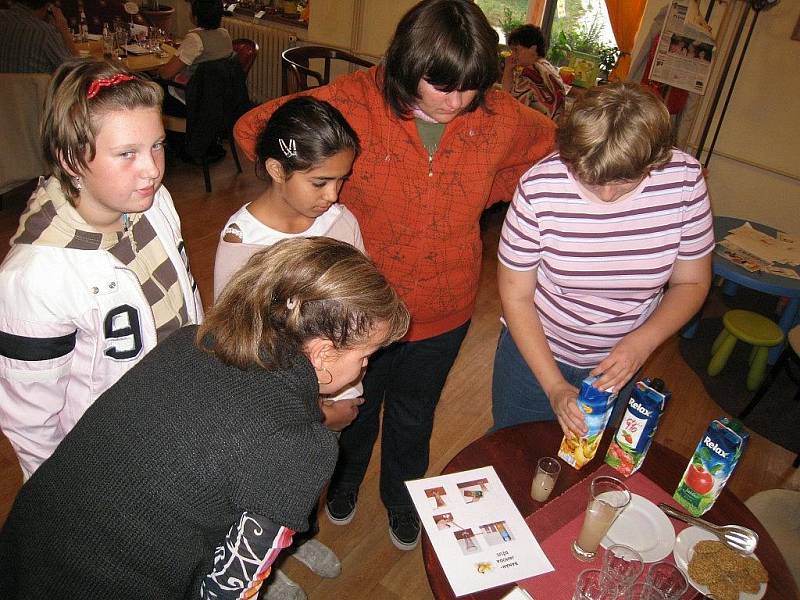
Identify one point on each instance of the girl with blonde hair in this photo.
(97, 273)
(189, 476)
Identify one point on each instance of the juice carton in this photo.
(632, 441)
(596, 406)
(712, 464)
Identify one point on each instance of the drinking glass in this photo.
(547, 470)
(623, 565)
(593, 585)
(608, 497)
(668, 579)
(642, 590)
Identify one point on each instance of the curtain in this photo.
(625, 17)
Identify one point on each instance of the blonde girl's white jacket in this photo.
(72, 322)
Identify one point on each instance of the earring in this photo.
(76, 181)
(324, 370)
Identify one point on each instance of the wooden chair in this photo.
(247, 51)
(216, 96)
(295, 69)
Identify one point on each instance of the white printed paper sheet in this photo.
(479, 535)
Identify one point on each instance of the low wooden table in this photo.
(513, 452)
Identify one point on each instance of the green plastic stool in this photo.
(753, 329)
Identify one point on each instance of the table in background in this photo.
(513, 452)
(134, 63)
(767, 283)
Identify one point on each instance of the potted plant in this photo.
(583, 50)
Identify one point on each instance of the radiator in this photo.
(264, 79)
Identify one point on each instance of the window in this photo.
(582, 25)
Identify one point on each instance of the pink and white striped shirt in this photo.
(602, 266)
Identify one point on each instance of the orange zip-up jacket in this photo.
(419, 214)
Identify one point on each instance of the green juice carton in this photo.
(635, 434)
(596, 406)
(711, 466)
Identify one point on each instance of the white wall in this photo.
(362, 26)
(755, 170)
(759, 175)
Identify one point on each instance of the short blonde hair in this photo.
(615, 132)
(296, 290)
(71, 119)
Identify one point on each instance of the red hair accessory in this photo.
(99, 84)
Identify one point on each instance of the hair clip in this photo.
(289, 150)
(291, 303)
(99, 84)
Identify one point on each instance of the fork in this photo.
(736, 537)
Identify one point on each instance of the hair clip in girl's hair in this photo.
(290, 149)
(99, 84)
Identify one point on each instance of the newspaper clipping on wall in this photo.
(685, 50)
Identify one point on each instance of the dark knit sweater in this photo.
(139, 494)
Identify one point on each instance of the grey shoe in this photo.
(319, 558)
(280, 587)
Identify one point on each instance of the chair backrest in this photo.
(216, 96)
(295, 69)
(247, 51)
(21, 105)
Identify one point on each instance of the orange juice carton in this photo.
(596, 406)
(711, 466)
(632, 441)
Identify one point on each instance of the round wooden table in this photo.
(513, 452)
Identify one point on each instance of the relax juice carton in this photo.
(645, 406)
(596, 406)
(712, 464)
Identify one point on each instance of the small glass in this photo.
(668, 579)
(108, 44)
(608, 497)
(642, 590)
(623, 565)
(547, 470)
(593, 585)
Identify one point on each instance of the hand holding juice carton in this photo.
(716, 456)
(596, 406)
(635, 434)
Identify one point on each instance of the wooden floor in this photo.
(372, 567)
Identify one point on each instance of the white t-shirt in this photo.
(337, 222)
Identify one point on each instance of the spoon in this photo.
(736, 537)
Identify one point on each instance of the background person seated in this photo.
(34, 38)
(208, 42)
(528, 76)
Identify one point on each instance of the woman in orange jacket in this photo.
(440, 144)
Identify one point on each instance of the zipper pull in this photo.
(430, 164)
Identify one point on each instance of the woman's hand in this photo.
(340, 413)
(622, 363)
(563, 398)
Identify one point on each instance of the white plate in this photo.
(643, 527)
(685, 541)
(683, 554)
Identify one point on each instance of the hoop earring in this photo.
(76, 181)
(324, 370)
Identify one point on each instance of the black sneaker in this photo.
(404, 529)
(341, 507)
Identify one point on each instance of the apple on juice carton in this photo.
(711, 466)
(596, 406)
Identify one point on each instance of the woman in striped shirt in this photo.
(604, 254)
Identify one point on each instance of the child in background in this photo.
(306, 151)
(97, 273)
(528, 76)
